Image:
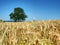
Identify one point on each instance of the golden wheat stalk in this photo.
(2, 39)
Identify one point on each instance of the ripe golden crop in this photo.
(30, 33)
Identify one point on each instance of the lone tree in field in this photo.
(18, 15)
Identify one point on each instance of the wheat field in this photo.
(30, 33)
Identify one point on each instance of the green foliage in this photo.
(18, 15)
(0, 20)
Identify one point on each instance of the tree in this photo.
(1, 20)
(18, 15)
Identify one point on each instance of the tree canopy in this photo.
(18, 14)
(1, 20)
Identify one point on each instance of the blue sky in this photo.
(34, 9)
